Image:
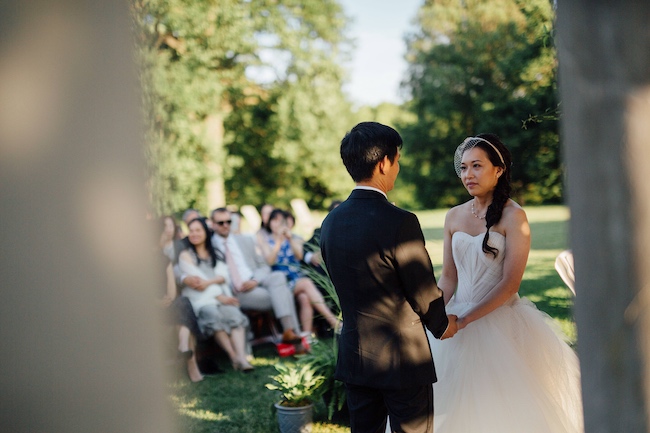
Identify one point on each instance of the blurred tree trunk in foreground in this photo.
(604, 52)
(80, 341)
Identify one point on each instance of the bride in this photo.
(506, 370)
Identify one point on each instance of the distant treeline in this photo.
(244, 104)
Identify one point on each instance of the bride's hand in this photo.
(461, 323)
(452, 328)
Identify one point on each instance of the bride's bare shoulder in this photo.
(514, 214)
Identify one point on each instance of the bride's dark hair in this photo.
(502, 190)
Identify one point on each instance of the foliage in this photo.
(478, 66)
(298, 385)
(323, 280)
(244, 102)
(323, 356)
(290, 135)
(241, 94)
(189, 55)
(404, 194)
(322, 359)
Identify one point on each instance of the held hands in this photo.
(228, 300)
(452, 328)
(198, 283)
(192, 282)
(248, 285)
(279, 237)
(203, 284)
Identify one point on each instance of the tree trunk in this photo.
(215, 187)
(604, 53)
(81, 348)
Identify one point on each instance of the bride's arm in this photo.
(516, 252)
(449, 276)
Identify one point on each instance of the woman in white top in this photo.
(215, 307)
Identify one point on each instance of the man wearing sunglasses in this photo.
(254, 284)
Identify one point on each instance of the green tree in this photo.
(213, 112)
(482, 66)
(399, 117)
(304, 110)
(191, 53)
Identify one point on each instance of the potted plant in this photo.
(322, 360)
(299, 386)
(322, 355)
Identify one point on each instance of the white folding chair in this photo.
(564, 267)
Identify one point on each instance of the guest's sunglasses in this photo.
(220, 223)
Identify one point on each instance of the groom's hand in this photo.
(452, 328)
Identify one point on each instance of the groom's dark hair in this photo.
(367, 144)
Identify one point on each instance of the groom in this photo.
(382, 273)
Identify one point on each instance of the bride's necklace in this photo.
(475, 214)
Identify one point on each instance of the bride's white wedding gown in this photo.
(509, 371)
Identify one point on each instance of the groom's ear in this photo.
(383, 164)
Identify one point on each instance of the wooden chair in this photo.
(263, 326)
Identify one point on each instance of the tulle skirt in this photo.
(509, 372)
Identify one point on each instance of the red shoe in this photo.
(285, 349)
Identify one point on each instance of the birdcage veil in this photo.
(467, 144)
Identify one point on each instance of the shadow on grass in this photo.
(234, 401)
(550, 295)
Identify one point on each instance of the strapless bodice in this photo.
(478, 272)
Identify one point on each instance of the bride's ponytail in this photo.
(502, 190)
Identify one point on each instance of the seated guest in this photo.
(283, 252)
(290, 221)
(262, 234)
(168, 236)
(178, 309)
(216, 308)
(181, 242)
(313, 257)
(313, 260)
(255, 285)
(184, 319)
(189, 215)
(235, 227)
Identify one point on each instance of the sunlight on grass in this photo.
(188, 404)
(568, 327)
(547, 213)
(203, 415)
(265, 362)
(188, 408)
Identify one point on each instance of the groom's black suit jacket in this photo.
(375, 255)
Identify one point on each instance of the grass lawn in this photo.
(233, 402)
